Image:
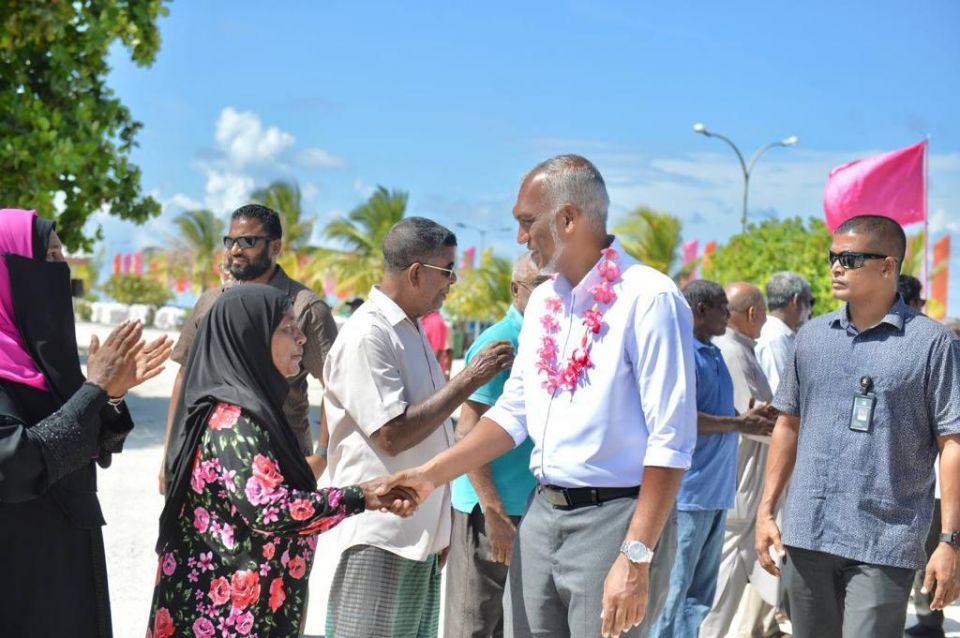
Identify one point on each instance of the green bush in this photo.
(131, 289)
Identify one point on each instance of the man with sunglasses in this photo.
(250, 256)
(871, 395)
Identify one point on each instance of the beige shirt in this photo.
(748, 382)
(315, 321)
(380, 364)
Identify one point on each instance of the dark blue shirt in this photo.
(710, 483)
(868, 496)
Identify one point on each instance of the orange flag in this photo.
(939, 279)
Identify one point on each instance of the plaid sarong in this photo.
(377, 594)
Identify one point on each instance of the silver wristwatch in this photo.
(636, 552)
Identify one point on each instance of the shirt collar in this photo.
(708, 346)
(779, 325)
(740, 338)
(895, 317)
(394, 313)
(592, 278)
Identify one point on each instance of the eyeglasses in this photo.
(449, 272)
(530, 285)
(244, 241)
(851, 260)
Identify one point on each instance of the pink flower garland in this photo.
(568, 376)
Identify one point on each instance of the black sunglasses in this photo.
(851, 260)
(244, 241)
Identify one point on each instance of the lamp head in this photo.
(790, 141)
(700, 127)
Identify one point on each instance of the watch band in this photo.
(953, 538)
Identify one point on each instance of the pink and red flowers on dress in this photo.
(567, 377)
(244, 588)
(224, 416)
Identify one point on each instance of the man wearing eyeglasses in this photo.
(870, 397)
(388, 406)
(250, 256)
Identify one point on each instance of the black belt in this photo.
(568, 498)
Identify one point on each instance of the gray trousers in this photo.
(828, 596)
(560, 561)
(474, 602)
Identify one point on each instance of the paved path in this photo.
(132, 504)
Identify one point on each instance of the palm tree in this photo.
(653, 238)
(285, 198)
(201, 234)
(482, 293)
(358, 266)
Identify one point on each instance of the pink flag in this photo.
(138, 262)
(891, 185)
(466, 261)
(690, 250)
(126, 263)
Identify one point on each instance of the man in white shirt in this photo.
(789, 302)
(388, 405)
(604, 385)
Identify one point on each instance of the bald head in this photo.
(748, 309)
(526, 277)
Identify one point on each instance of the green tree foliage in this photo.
(481, 293)
(653, 238)
(772, 246)
(359, 265)
(201, 235)
(285, 198)
(64, 130)
(132, 289)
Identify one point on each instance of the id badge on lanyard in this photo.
(864, 405)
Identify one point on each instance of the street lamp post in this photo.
(747, 167)
(483, 232)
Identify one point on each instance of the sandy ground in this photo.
(132, 504)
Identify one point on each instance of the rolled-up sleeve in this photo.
(661, 351)
(510, 410)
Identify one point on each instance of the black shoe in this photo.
(924, 631)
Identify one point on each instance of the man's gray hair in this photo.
(574, 179)
(524, 261)
(782, 286)
(414, 239)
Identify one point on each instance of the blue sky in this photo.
(454, 102)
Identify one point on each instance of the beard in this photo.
(550, 267)
(254, 267)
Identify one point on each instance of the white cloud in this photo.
(313, 157)
(362, 187)
(245, 140)
(226, 191)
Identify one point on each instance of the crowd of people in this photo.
(630, 458)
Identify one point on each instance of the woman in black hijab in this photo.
(238, 531)
(53, 425)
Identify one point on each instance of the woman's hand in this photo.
(398, 500)
(124, 360)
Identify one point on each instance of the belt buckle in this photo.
(556, 496)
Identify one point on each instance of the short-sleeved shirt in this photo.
(868, 496)
(380, 365)
(315, 321)
(710, 482)
(511, 472)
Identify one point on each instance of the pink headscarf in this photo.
(16, 237)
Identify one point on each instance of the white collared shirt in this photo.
(379, 365)
(635, 407)
(774, 349)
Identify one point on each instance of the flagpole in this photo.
(926, 217)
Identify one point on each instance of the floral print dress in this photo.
(246, 544)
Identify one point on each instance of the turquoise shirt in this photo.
(511, 472)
